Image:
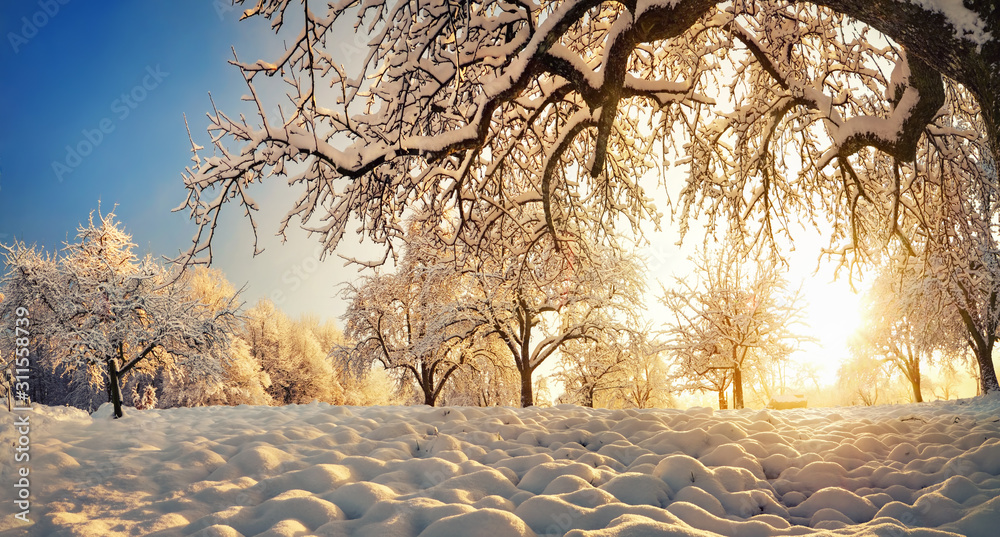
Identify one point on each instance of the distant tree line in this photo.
(106, 325)
(454, 325)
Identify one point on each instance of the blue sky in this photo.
(94, 95)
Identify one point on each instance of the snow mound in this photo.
(928, 469)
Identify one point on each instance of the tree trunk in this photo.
(722, 399)
(982, 346)
(114, 387)
(737, 387)
(987, 373)
(426, 381)
(915, 382)
(429, 397)
(527, 395)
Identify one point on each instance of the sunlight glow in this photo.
(832, 313)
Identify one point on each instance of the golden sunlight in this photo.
(832, 313)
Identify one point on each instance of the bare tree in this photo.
(729, 314)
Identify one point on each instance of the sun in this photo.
(832, 313)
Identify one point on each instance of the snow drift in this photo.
(928, 469)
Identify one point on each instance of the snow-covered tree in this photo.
(943, 209)
(907, 321)
(51, 383)
(488, 377)
(729, 314)
(105, 312)
(388, 319)
(541, 392)
(767, 103)
(375, 388)
(773, 107)
(294, 354)
(645, 383)
(8, 377)
(401, 320)
(959, 220)
(536, 297)
(146, 399)
(615, 370)
(243, 380)
(589, 370)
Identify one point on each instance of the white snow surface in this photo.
(966, 22)
(920, 470)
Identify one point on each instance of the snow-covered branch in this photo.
(98, 304)
(452, 101)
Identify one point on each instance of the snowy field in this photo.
(929, 469)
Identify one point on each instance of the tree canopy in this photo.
(453, 100)
(545, 119)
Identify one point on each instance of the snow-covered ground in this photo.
(407, 471)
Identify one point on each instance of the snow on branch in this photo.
(98, 304)
(452, 102)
